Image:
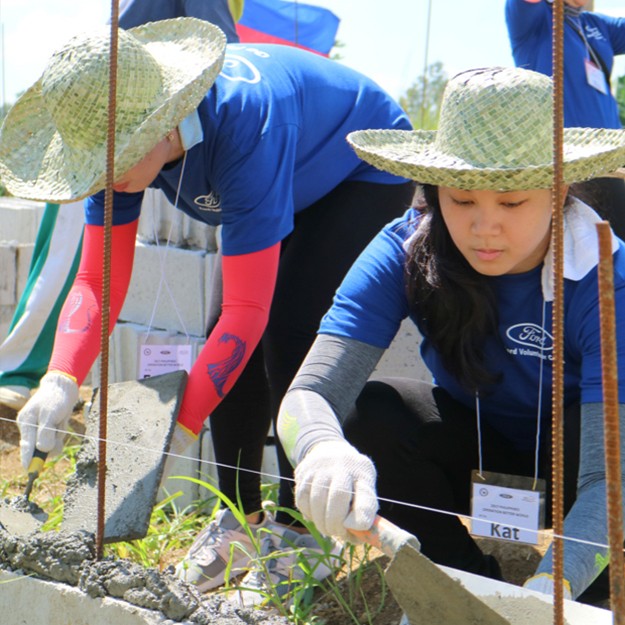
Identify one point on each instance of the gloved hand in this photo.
(43, 420)
(181, 440)
(543, 582)
(335, 488)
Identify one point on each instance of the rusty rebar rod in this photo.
(106, 279)
(611, 427)
(557, 241)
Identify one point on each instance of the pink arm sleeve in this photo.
(77, 340)
(249, 282)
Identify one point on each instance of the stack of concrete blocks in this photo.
(167, 303)
(19, 222)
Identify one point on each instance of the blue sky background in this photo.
(385, 40)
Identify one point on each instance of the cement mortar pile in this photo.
(69, 558)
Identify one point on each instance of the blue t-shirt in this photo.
(274, 126)
(371, 304)
(137, 12)
(530, 30)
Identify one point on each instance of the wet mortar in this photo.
(68, 557)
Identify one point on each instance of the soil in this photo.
(366, 591)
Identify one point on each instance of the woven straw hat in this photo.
(53, 141)
(495, 132)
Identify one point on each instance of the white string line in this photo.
(122, 444)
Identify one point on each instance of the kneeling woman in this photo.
(471, 265)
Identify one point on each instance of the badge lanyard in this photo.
(165, 354)
(596, 74)
(510, 507)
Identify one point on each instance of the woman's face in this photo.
(139, 177)
(578, 4)
(498, 232)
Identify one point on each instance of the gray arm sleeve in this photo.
(587, 519)
(323, 392)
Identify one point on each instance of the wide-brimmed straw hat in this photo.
(495, 132)
(53, 141)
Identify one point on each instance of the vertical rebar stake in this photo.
(611, 428)
(106, 279)
(557, 242)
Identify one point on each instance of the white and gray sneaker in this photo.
(286, 558)
(223, 543)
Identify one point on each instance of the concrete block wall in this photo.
(168, 302)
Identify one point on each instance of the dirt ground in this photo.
(370, 598)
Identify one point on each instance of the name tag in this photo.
(507, 507)
(595, 77)
(160, 359)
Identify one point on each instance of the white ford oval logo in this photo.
(530, 335)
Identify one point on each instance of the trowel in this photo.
(140, 424)
(20, 516)
(423, 590)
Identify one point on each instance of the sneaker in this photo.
(14, 396)
(404, 619)
(286, 558)
(223, 542)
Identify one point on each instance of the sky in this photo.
(389, 41)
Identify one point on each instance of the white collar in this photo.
(581, 246)
(190, 130)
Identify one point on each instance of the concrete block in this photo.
(167, 289)
(19, 219)
(124, 345)
(140, 423)
(161, 222)
(213, 291)
(8, 274)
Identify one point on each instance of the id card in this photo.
(595, 77)
(507, 507)
(159, 359)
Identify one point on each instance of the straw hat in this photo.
(495, 132)
(53, 141)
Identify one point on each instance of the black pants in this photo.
(607, 197)
(326, 240)
(424, 445)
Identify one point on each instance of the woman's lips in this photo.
(488, 254)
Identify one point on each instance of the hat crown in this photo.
(497, 118)
(75, 87)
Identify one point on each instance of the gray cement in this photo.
(19, 515)
(140, 423)
(68, 558)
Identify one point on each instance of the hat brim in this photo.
(587, 153)
(36, 164)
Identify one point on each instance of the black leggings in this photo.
(424, 445)
(326, 240)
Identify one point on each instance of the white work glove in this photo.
(335, 488)
(181, 440)
(44, 419)
(543, 582)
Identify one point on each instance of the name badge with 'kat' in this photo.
(507, 507)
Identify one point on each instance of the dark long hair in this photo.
(454, 303)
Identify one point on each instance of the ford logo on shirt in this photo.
(210, 202)
(530, 335)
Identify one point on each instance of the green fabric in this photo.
(36, 362)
